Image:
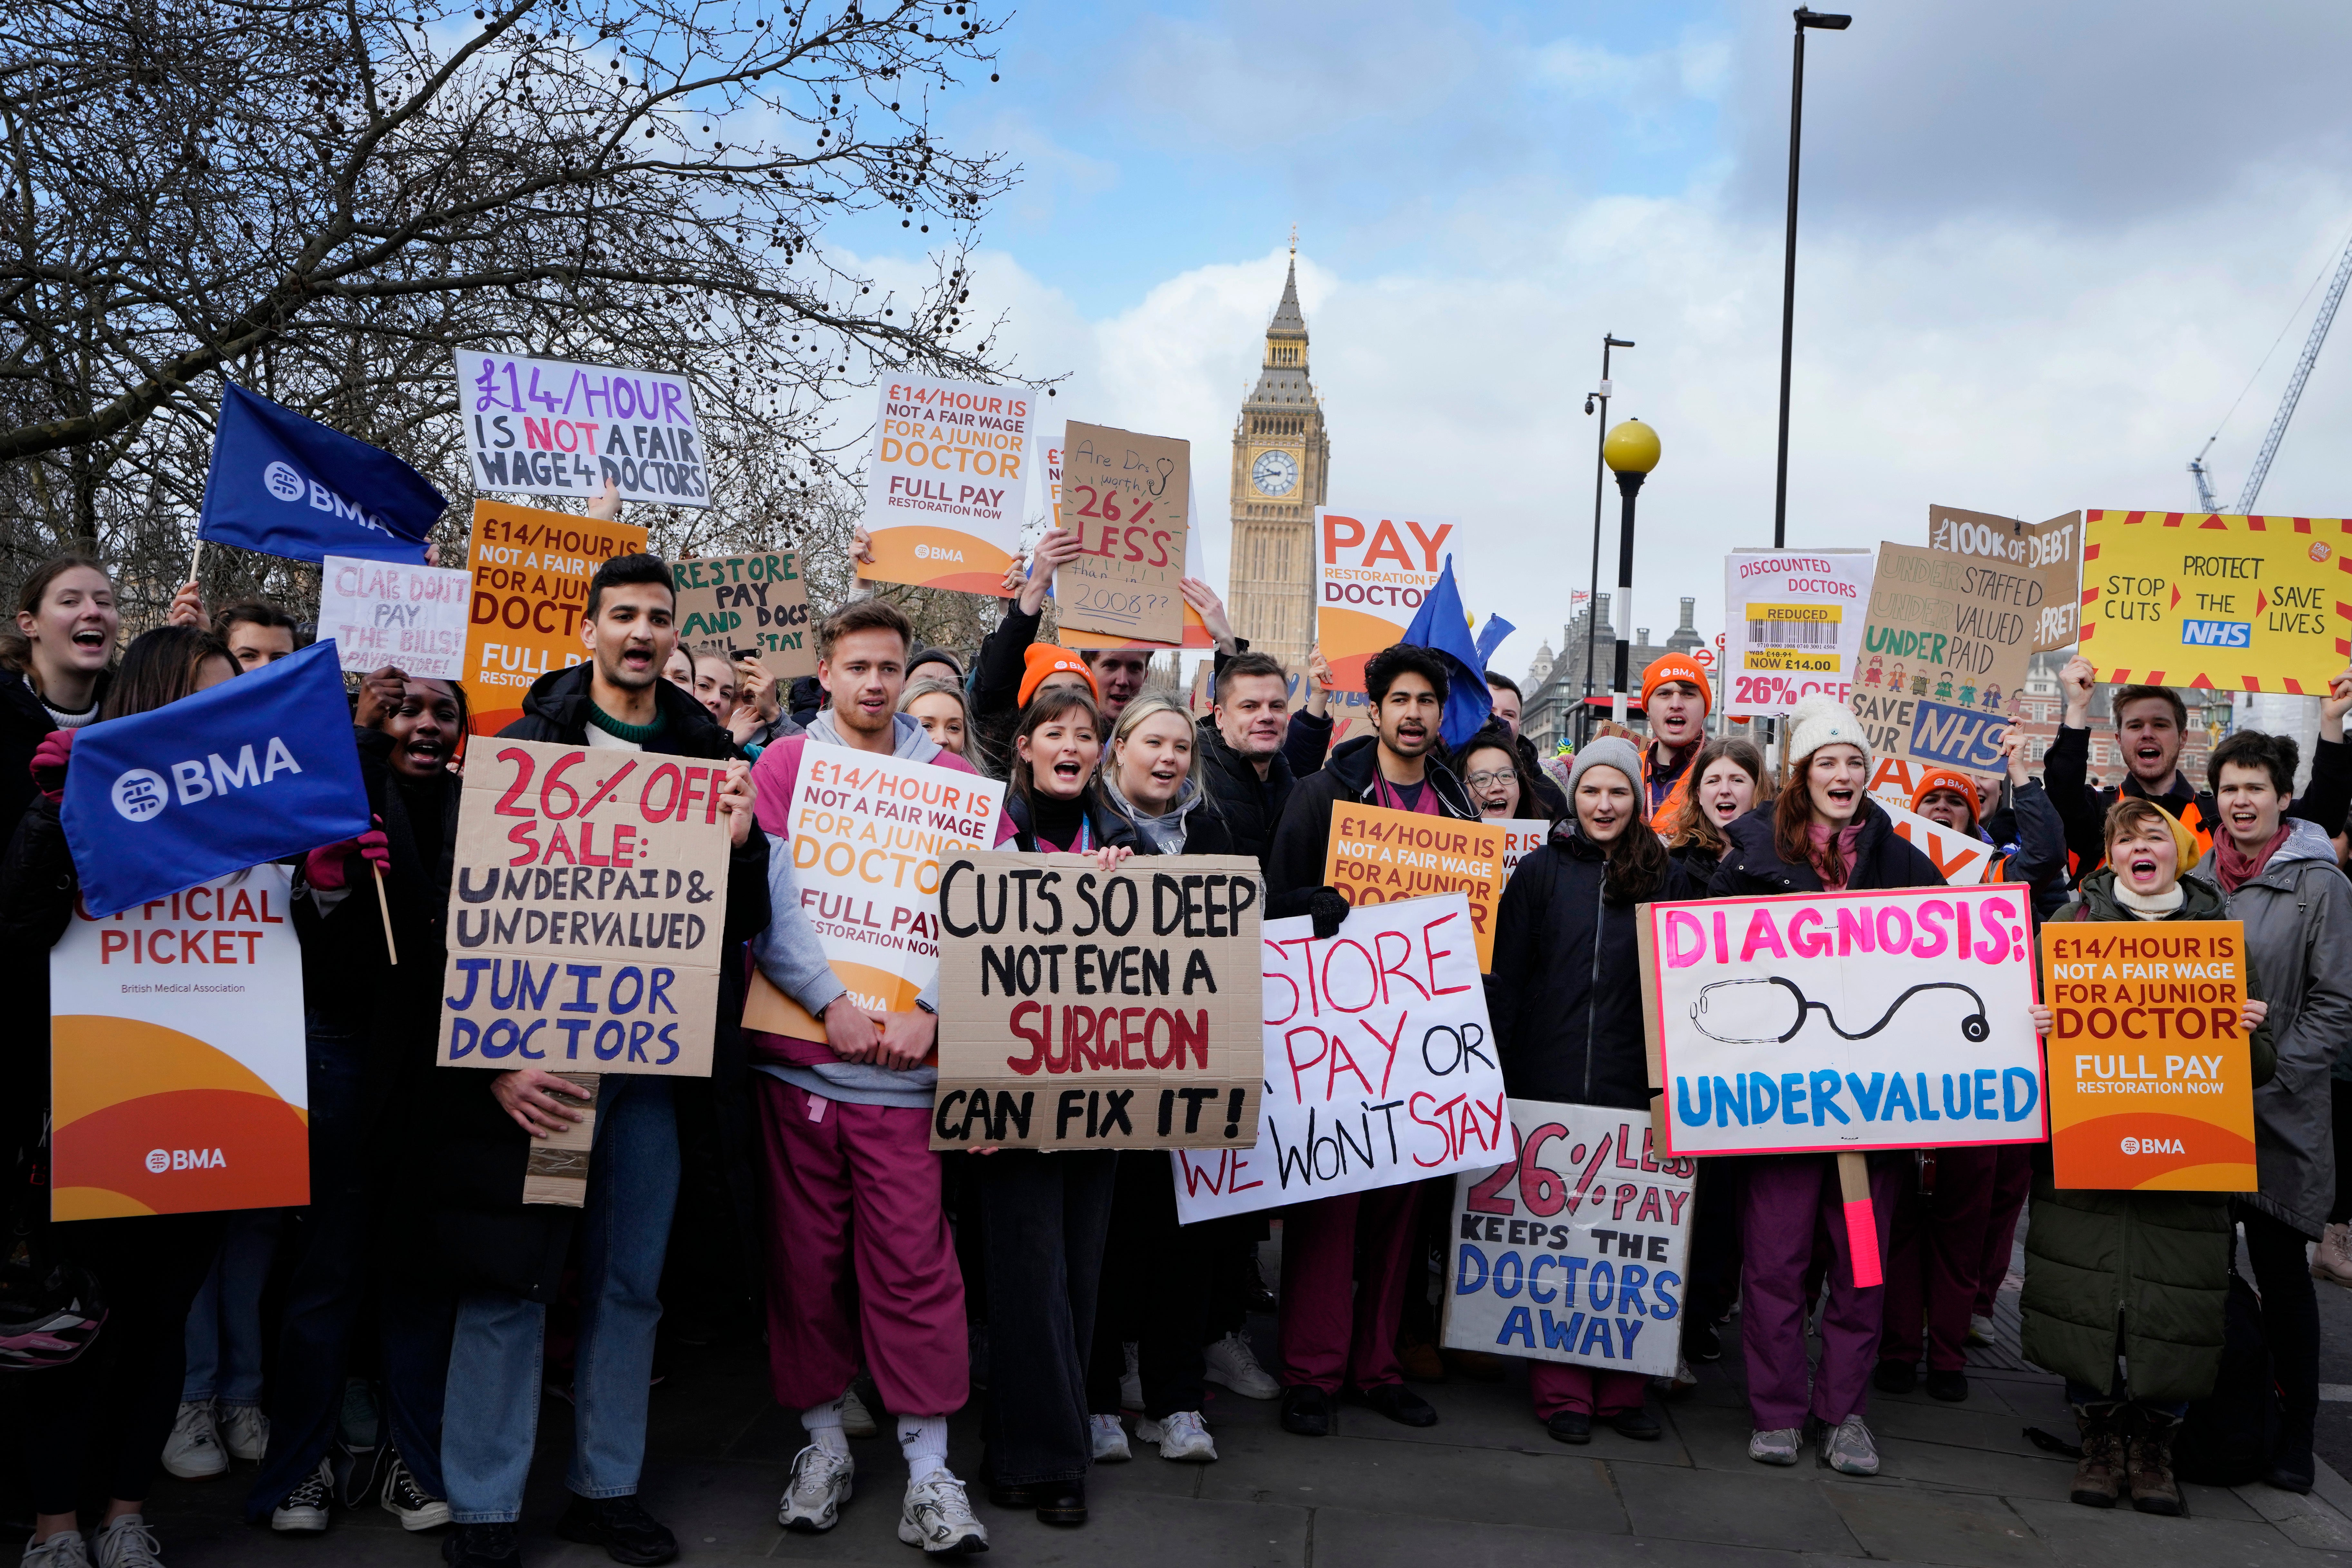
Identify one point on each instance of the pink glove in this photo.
(329, 868)
(49, 760)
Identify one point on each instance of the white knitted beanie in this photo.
(1816, 721)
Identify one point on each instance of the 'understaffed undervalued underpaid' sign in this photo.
(1842, 1022)
(2151, 1080)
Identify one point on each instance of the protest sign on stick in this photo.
(1378, 856)
(1574, 1250)
(1380, 1064)
(948, 482)
(2049, 554)
(1128, 497)
(751, 605)
(530, 571)
(1080, 1009)
(552, 427)
(2228, 603)
(1945, 647)
(1794, 622)
(178, 1078)
(868, 834)
(2151, 1079)
(1372, 570)
(413, 618)
(586, 912)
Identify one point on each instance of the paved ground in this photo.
(1485, 1487)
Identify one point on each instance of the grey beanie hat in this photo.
(1608, 752)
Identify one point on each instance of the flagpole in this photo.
(195, 559)
(384, 908)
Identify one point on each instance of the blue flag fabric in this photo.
(1490, 637)
(1440, 626)
(288, 485)
(255, 769)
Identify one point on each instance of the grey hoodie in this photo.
(2298, 920)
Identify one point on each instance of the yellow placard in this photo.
(2228, 602)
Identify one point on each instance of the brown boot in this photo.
(2153, 1489)
(2099, 1477)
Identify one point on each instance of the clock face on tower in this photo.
(1275, 473)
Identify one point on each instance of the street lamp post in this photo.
(1835, 23)
(1631, 451)
(1592, 594)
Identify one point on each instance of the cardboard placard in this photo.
(1380, 1064)
(1378, 856)
(1829, 1023)
(2233, 604)
(2050, 553)
(2151, 1079)
(586, 912)
(552, 427)
(1576, 1249)
(868, 836)
(1794, 622)
(755, 604)
(530, 571)
(1372, 568)
(1128, 499)
(413, 618)
(179, 1079)
(1085, 1010)
(1944, 649)
(949, 482)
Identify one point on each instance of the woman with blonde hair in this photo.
(940, 706)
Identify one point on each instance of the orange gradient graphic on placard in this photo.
(930, 557)
(151, 1121)
(767, 1009)
(1351, 637)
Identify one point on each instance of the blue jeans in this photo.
(492, 1421)
(224, 1329)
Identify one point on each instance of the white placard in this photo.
(1526, 835)
(1793, 619)
(948, 482)
(552, 427)
(413, 618)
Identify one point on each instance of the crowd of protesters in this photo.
(389, 1345)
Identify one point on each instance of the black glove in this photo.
(1327, 909)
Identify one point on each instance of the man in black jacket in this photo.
(1242, 750)
(514, 1254)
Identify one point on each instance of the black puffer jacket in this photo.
(1568, 1020)
(1752, 867)
(1302, 843)
(1250, 805)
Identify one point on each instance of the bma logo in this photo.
(139, 794)
(2217, 634)
(281, 480)
(937, 553)
(162, 1160)
(2153, 1146)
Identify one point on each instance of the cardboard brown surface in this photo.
(2050, 552)
(1376, 856)
(1944, 652)
(1152, 971)
(755, 604)
(586, 912)
(557, 1169)
(1126, 497)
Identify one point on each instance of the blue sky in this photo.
(2044, 245)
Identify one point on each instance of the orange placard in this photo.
(530, 585)
(1371, 570)
(1378, 856)
(2151, 1082)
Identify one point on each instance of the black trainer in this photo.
(1949, 1386)
(482, 1546)
(1896, 1376)
(621, 1526)
(1400, 1404)
(1306, 1411)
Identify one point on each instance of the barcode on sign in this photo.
(1792, 634)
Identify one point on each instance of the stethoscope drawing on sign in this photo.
(1975, 1026)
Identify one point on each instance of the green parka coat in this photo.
(2152, 1267)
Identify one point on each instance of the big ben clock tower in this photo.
(1282, 457)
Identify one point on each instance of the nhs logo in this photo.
(2217, 634)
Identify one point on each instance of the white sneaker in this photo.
(1232, 1362)
(1980, 1331)
(820, 1483)
(1130, 1379)
(245, 1432)
(1680, 1382)
(937, 1516)
(65, 1548)
(126, 1542)
(1849, 1448)
(1110, 1440)
(304, 1511)
(1183, 1437)
(1775, 1446)
(857, 1421)
(2332, 1259)
(192, 1452)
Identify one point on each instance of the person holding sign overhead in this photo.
(1824, 834)
(1567, 1028)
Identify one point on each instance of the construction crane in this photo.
(2206, 499)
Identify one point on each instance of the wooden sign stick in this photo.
(1861, 1219)
(384, 908)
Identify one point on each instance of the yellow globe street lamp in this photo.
(1631, 451)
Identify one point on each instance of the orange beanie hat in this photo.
(1044, 659)
(1676, 666)
(1945, 778)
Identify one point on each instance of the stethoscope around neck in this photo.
(1975, 1027)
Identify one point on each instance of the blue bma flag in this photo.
(1440, 626)
(288, 485)
(255, 769)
